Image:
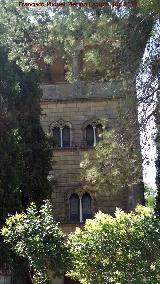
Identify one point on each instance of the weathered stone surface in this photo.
(83, 90)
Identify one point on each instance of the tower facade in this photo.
(74, 119)
(74, 115)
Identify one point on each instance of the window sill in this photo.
(73, 148)
(69, 222)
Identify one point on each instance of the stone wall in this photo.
(77, 112)
(67, 173)
(83, 90)
(66, 168)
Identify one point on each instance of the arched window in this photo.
(57, 136)
(86, 206)
(61, 136)
(74, 205)
(66, 136)
(93, 133)
(89, 135)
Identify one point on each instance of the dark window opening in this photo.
(74, 208)
(86, 206)
(89, 135)
(57, 136)
(66, 136)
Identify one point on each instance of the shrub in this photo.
(121, 250)
(35, 236)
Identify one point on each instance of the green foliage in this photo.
(104, 169)
(118, 37)
(25, 151)
(10, 171)
(35, 236)
(158, 160)
(25, 154)
(40, 277)
(150, 197)
(121, 249)
(34, 146)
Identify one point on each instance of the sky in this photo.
(149, 170)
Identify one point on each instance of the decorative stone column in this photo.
(94, 133)
(61, 129)
(80, 208)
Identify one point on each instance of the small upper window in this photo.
(86, 206)
(61, 136)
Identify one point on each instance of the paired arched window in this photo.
(80, 208)
(93, 133)
(61, 136)
(61, 131)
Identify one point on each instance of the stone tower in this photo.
(73, 114)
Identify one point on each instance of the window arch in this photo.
(74, 208)
(89, 135)
(61, 134)
(80, 207)
(93, 132)
(86, 206)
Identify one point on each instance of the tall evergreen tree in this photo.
(20, 96)
(25, 155)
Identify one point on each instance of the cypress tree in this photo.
(25, 154)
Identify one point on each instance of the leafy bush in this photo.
(35, 236)
(121, 250)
